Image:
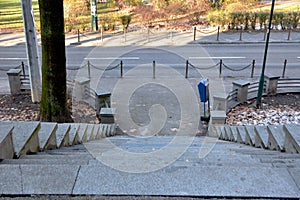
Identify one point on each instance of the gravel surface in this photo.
(277, 109)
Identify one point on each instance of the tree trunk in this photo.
(53, 106)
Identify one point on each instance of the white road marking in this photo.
(222, 57)
(13, 58)
(298, 57)
(114, 58)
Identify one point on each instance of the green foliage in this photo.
(251, 19)
(11, 15)
(75, 14)
(125, 21)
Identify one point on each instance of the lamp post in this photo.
(262, 75)
(32, 51)
(94, 15)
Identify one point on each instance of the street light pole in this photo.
(262, 76)
(32, 51)
(94, 15)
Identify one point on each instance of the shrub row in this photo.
(253, 19)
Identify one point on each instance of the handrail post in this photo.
(153, 69)
(148, 34)
(121, 66)
(218, 34)
(284, 67)
(89, 69)
(253, 66)
(220, 70)
(186, 69)
(241, 34)
(101, 32)
(78, 35)
(23, 69)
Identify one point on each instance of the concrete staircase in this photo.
(285, 138)
(20, 138)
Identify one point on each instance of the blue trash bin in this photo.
(204, 97)
(203, 90)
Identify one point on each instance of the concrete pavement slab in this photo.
(11, 180)
(295, 173)
(188, 181)
(49, 179)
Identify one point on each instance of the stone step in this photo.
(106, 130)
(73, 134)
(292, 139)
(261, 136)
(6, 141)
(224, 135)
(56, 155)
(241, 138)
(38, 161)
(228, 133)
(273, 137)
(74, 148)
(250, 135)
(219, 130)
(47, 136)
(96, 131)
(62, 135)
(89, 133)
(82, 132)
(233, 133)
(25, 137)
(276, 138)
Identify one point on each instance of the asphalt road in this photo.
(235, 56)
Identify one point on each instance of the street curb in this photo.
(245, 42)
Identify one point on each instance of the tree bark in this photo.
(53, 106)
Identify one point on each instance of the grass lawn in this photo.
(11, 15)
(291, 6)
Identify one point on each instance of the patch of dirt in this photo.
(277, 109)
(21, 108)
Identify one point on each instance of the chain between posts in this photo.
(193, 66)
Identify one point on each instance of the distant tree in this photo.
(53, 106)
(146, 14)
(74, 10)
(125, 21)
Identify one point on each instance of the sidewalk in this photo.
(178, 38)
